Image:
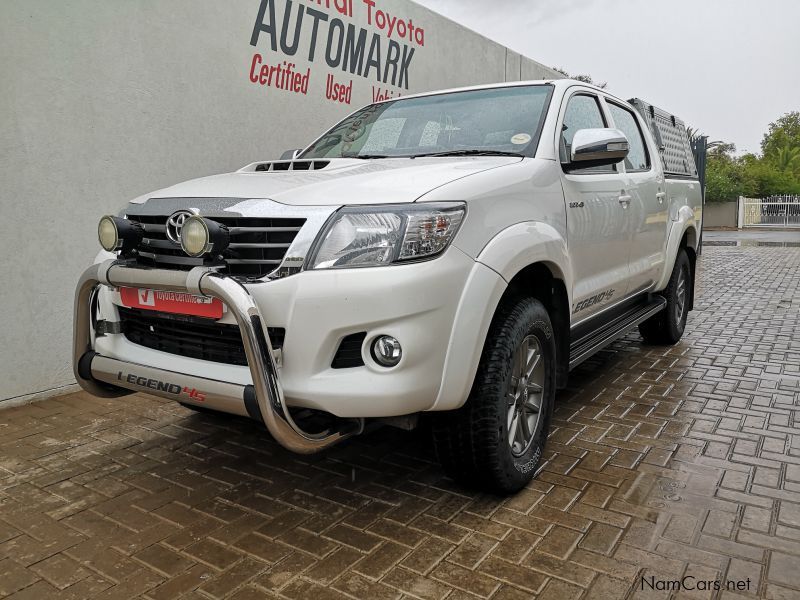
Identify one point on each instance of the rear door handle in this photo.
(660, 196)
(624, 199)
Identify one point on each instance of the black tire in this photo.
(667, 327)
(472, 443)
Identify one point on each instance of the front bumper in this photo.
(416, 303)
(264, 398)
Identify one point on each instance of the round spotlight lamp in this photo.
(108, 235)
(386, 351)
(201, 236)
(116, 233)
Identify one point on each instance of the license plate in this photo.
(172, 302)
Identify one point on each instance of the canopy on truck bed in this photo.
(672, 139)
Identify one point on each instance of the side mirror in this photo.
(597, 147)
(291, 154)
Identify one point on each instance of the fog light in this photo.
(107, 233)
(203, 236)
(116, 233)
(386, 351)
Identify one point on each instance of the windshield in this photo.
(493, 121)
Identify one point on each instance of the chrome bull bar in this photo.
(92, 371)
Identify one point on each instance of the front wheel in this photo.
(495, 441)
(667, 326)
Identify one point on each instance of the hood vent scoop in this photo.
(292, 165)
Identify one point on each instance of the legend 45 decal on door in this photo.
(596, 299)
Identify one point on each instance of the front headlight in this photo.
(372, 236)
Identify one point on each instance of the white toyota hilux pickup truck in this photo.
(453, 253)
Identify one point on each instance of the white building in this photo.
(104, 101)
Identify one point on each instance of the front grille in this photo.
(192, 337)
(256, 248)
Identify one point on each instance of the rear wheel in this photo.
(667, 327)
(495, 441)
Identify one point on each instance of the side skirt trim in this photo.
(609, 330)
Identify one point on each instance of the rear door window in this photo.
(624, 120)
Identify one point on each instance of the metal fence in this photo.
(699, 150)
(775, 211)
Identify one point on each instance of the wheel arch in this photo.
(682, 234)
(545, 281)
(533, 258)
(689, 242)
(528, 257)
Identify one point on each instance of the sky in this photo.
(726, 67)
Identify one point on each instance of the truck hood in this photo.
(334, 182)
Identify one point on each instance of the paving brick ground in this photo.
(663, 463)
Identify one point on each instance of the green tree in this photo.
(584, 78)
(776, 171)
(787, 159)
(765, 179)
(722, 150)
(727, 177)
(696, 134)
(782, 133)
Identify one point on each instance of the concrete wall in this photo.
(720, 214)
(103, 101)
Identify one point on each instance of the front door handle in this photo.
(625, 199)
(660, 197)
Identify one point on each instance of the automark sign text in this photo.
(382, 52)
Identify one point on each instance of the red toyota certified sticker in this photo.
(172, 302)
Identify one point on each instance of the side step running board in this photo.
(596, 340)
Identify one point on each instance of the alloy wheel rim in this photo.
(680, 303)
(524, 395)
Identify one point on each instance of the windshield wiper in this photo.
(466, 152)
(471, 152)
(365, 156)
